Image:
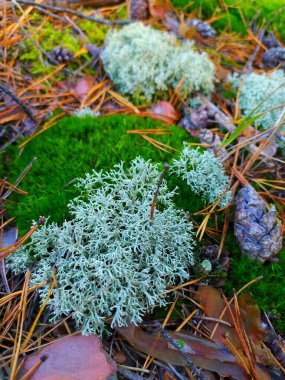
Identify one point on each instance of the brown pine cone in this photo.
(60, 55)
(274, 57)
(139, 9)
(202, 27)
(258, 234)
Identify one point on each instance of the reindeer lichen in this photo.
(110, 260)
(144, 62)
(204, 173)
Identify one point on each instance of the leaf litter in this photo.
(202, 331)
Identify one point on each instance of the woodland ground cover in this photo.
(142, 167)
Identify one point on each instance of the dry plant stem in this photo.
(6, 251)
(44, 53)
(26, 109)
(13, 139)
(169, 339)
(129, 374)
(71, 11)
(2, 262)
(4, 277)
(241, 335)
(34, 368)
(20, 324)
(150, 358)
(248, 67)
(231, 300)
(25, 33)
(225, 229)
(34, 325)
(263, 144)
(19, 179)
(165, 168)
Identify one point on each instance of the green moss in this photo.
(229, 13)
(269, 293)
(50, 36)
(73, 147)
(96, 33)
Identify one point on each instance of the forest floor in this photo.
(61, 103)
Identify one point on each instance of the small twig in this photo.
(19, 179)
(18, 101)
(248, 67)
(48, 57)
(13, 139)
(4, 277)
(130, 375)
(170, 340)
(73, 12)
(34, 368)
(162, 175)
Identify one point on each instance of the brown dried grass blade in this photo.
(34, 325)
(123, 101)
(20, 325)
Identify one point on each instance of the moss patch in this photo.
(269, 293)
(49, 36)
(229, 14)
(75, 146)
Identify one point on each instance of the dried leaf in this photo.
(202, 352)
(213, 306)
(186, 31)
(83, 86)
(164, 111)
(158, 8)
(72, 358)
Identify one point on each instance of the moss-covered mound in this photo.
(72, 148)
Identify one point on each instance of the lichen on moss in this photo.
(204, 173)
(110, 260)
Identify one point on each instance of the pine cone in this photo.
(60, 55)
(195, 120)
(139, 9)
(257, 233)
(274, 57)
(202, 28)
(270, 41)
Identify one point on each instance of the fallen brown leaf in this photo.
(72, 358)
(202, 352)
(164, 111)
(158, 8)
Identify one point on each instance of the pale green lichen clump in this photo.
(144, 62)
(110, 260)
(254, 88)
(204, 173)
